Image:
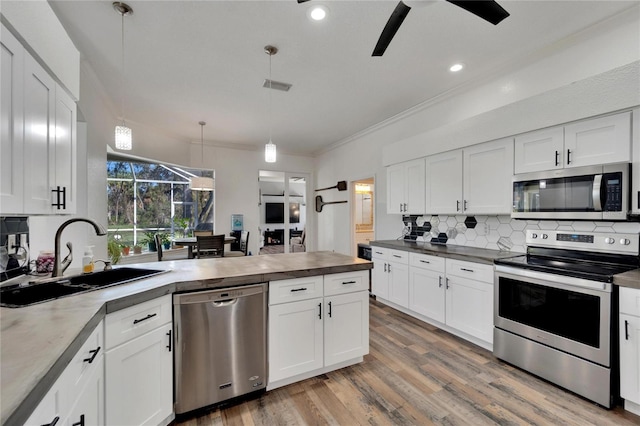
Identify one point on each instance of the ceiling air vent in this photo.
(276, 85)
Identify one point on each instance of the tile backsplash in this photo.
(495, 232)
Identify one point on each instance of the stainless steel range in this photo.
(556, 308)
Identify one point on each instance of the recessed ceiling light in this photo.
(456, 67)
(317, 12)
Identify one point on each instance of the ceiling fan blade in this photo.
(390, 30)
(488, 10)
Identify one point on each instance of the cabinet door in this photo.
(630, 358)
(52, 407)
(39, 128)
(64, 150)
(598, 141)
(139, 380)
(89, 407)
(414, 184)
(444, 183)
(539, 150)
(426, 293)
(398, 283)
(469, 307)
(295, 338)
(488, 174)
(11, 123)
(395, 189)
(346, 327)
(380, 278)
(635, 167)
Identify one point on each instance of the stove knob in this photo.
(545, 236)
(609, 240)
(625, 241)
(534, 236)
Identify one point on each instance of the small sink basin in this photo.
(16, 296)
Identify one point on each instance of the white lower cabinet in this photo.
(630, 348)
(139, 364)
(455, 295)
(77, 396)
(311, 335)
(391, 275)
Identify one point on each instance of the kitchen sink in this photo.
(20, 295)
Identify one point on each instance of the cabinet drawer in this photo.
(347, 282)
(86, 361)
(398, 256)
(379, 253)
(425, 261)
(129, 323)
(284, 291)
(470, 270)
(630, 301)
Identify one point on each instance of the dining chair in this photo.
(244, 246)
(209, 246)
(158, 241)
(202, 233)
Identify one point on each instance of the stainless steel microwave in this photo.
(580, 193)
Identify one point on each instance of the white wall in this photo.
(578, 79)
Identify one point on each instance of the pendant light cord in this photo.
(270, 102)
(122, 74)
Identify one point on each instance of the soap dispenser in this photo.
(87, 260)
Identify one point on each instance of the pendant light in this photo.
(123, 133)
(201, 183)
(270, 148)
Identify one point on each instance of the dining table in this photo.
(192, 242)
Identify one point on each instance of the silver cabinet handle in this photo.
(405, 207)
(400, 206)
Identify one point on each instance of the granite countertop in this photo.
(629, 279)
(38, 341)
(470, 254)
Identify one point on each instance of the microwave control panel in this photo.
(613, 187)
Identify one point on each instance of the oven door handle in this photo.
(550, 280)
(596, 193)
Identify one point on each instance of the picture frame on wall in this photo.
(237, 222)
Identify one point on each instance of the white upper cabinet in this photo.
(635, 168)
(405, 187)
(11, 122)
(38, 137)
(540, 150)
(444, 182)
(487, 176)
(602, 140)
(474, 180)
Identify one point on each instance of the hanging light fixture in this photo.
(123, 133)
(201, 183)
(270, 148)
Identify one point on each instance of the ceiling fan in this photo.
(488, 10)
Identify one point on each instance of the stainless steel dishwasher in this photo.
(220, 341)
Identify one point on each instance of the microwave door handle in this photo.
(596, 194)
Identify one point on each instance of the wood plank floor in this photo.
(418, 374)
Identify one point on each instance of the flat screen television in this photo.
(274, 212)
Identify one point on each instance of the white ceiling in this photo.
(188, 61)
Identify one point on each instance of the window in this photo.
(145, 198)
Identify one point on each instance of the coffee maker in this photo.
(14, 246)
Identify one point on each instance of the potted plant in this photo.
(165, 238)
(125, 250)
(113, 249)
(137, 249)
(182, 223)
(150, 240)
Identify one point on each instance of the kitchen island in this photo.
(39, 341)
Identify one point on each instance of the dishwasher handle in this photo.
(223, 303)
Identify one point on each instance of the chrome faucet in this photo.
(58, 266)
